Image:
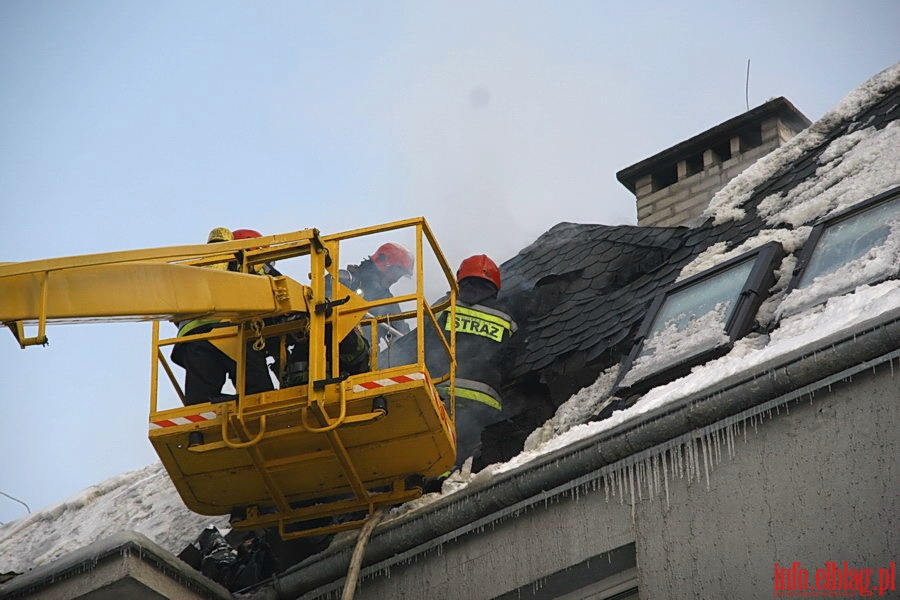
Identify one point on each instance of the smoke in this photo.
(500, 143)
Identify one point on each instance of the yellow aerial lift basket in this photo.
(312, 458)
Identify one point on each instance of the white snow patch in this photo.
(144, 501)
(675, 343)
(878, 263)
(854, 167)
(578, 409)
(718, 253)
(727, 204)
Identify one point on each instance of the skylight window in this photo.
(699, 319)
(856, 247)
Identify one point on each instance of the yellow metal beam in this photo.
(144, 292)
(267, 248)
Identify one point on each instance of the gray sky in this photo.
(132, 124)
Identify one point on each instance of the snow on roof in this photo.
(869, 180)
(144, 501)
(853, 167)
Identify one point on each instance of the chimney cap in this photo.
(780, 107)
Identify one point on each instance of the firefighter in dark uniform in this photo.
(482, 329)
(372, 280)
(206, 367)
(373, 277)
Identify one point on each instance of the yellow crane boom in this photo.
(338, 444)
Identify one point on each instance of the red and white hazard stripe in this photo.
(388, 381)
(186, 420)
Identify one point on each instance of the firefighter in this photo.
(206, 367)
(372, 280)
(273, 344)
(482, 330)
(373, 277)
(264, 269)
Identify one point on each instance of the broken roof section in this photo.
(603, 279)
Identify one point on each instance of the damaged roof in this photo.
(588, 287)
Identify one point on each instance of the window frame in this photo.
(766, 258)
(819, 229)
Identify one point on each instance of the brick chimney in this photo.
(674, 186)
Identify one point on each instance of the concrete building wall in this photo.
(810, 482)
(819, 484)
(504, 556)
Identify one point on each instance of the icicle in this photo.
(673, 460)
(648, 473)
(700, 454)
(620, 480)
(695, 459)
(639, 469)
(731, 440)
(717, 447)
(631, 487)
(727, 435)
(703, 447)
(612, 483)
(692, 463)
(665, 477)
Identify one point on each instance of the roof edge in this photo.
(123, 543)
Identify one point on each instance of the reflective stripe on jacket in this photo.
(484, 321)
(473, 390)
(480, 331)
(186, 327)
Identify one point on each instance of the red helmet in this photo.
(246, 234)
(393, 254)
(479, 266)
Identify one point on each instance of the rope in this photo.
(358, 551)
